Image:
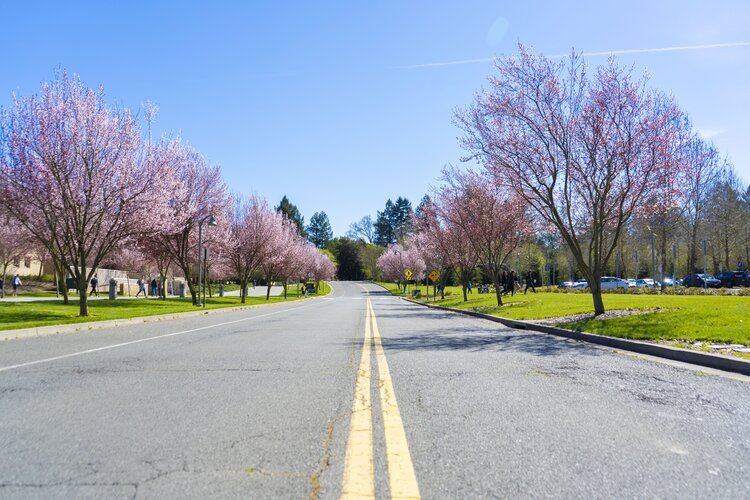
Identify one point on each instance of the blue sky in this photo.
(342, 105)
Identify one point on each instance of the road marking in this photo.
(359, 481)
(123, 344)
(403, 481)
(359, 475)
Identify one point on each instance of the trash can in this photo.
(71, 283)
(181, 289)
(112, 289)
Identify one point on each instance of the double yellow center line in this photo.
(359, 474)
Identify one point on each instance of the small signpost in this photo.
(407, 274)
(739, 264)
(434, 276)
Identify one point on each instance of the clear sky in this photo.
(342, 105)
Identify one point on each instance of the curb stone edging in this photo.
(715, 361)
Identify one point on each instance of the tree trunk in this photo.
(663, 251)
(463, 288)
(243, 289)
(268, 291)
(498, 289)
(83, 305)
(596, 294)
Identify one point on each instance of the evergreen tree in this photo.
(319, 231)
(292, 212)
(392, 224)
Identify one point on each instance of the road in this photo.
(279, 402)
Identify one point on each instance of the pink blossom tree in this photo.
(286, 253)
(253, 227)
(491, 218)
(396, 260)
(197, 192)
(445, 239)
(73, 173)
(578, 149)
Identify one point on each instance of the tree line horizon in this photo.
(591, 172)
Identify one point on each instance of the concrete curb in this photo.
(708, 360)
(41, 331)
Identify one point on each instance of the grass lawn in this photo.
(724, 319)
(14, 315)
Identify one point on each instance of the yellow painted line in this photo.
(359, 474)
(402, 480)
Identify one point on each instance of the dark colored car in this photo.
(733, 278)
(701, 280)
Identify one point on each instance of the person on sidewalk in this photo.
(468, 287)
(529, 283)
(141, 288)
(94, 285)
(154, 288)
(16, 282)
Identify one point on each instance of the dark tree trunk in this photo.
(596, 293)
(498, 289)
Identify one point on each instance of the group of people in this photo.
(15, 282)
(141, 287)
(510, 282)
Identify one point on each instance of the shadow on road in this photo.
(481, 339)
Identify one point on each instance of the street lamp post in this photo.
(401, 261)
(211, 222)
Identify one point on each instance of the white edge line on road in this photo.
(123, 344)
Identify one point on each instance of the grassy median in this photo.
(706, 318)
(15, 315)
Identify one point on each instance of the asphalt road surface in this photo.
(280, 402)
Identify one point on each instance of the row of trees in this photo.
(78, 182)
(581, 165)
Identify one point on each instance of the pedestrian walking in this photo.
(468, 287)
(154, 288)
(529, 283)
(141, 288)
(16, 282)
(94, 285)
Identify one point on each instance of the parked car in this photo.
(733, 278)
(608, 283)
(647, 283)
(701, 280)
(580, 284)
(566, 284)
(631, 282)
(669, 281)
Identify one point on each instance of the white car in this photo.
(647, 283)
(580, 284)
(608, 282)
(631, 282)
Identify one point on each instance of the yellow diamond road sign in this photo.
(434, 275)
(407, 274)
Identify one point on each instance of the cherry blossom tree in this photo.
(253, 227)
(397, 259)
(74, 174)
(494, 220)
(437, 230)
(197, 192)
(285, 258)
(579, 149)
